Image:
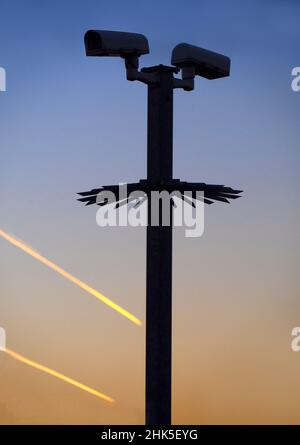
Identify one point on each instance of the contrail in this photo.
(58, 375)
(70, 277)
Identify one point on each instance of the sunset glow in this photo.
(58, 375)
(21, 245)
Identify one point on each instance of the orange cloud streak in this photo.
(70, 277)
(58, 375)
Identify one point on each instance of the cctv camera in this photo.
(205, 63)
(113, 43)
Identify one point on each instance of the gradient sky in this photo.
(70, 123)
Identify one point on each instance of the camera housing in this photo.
(115, 44)
(205, 63)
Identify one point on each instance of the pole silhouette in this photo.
(161, 82)
(159, 254)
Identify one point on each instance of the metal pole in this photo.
(159, 255)
(192, 61)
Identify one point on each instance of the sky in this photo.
(70, 123)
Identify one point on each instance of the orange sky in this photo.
(232, 356)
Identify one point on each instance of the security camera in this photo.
(115, 44)
(130, 46)
(200, 61)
